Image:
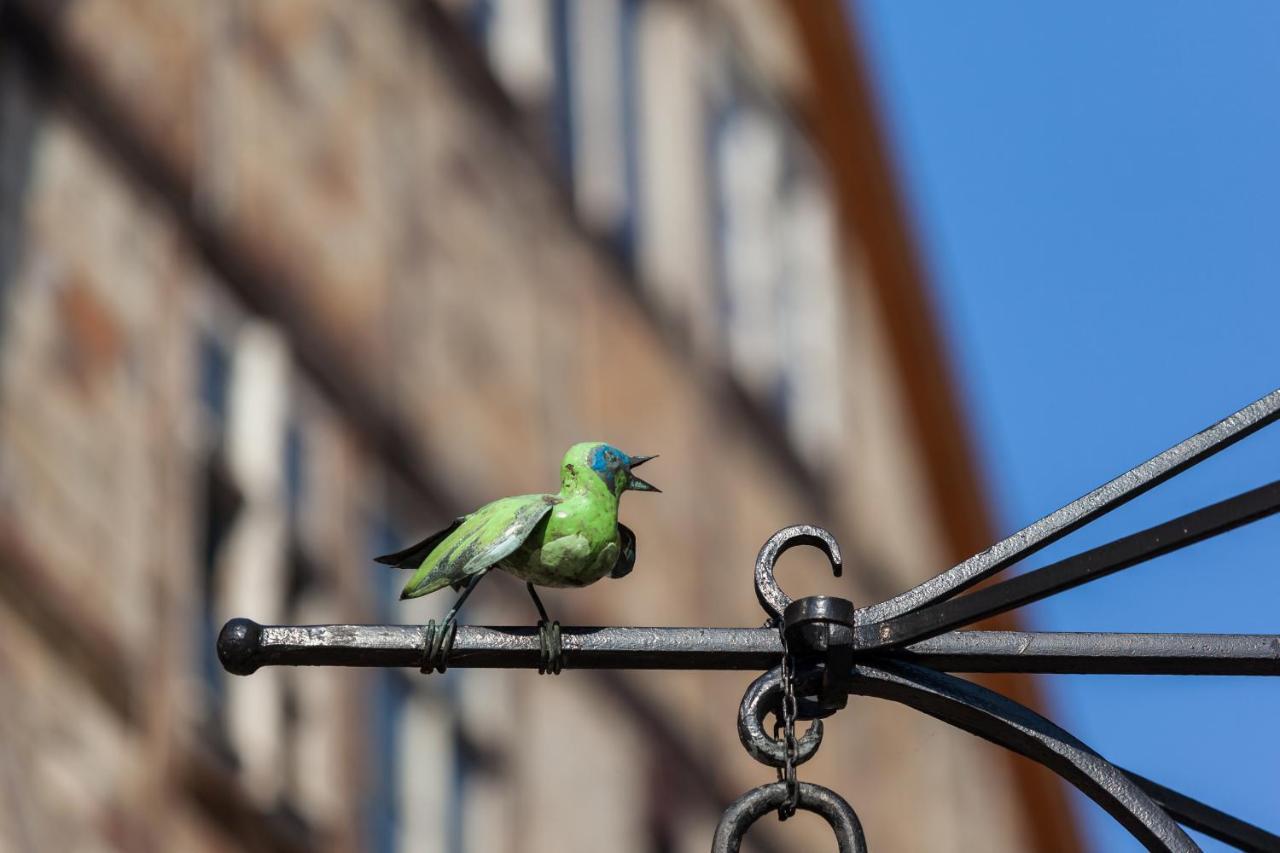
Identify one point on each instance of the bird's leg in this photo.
(537, 602)
(438, 640)
(471, 584)
(548, 637)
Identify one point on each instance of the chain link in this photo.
(786, 722)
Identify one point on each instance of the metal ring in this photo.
(771, 596)
(751, 806)
(761, 699)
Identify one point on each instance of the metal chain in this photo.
(786, 721)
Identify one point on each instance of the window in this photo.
(749, 161)
(219, 505)
(595, 50)
(214, 364)
(673, 240)
(812, 314)
(294, 471)
(246, 551)
(415, 798)
(517, 38)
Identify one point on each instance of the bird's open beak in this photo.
(634, 482)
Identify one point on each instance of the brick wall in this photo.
(248, 211)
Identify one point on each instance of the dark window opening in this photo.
(221, 505)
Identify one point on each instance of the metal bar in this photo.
(1082, 653)
(1100, 501)
(1077, 570)
(243, 646)
(1006, 723)
(1212, 822)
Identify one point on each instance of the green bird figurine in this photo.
(568, 539)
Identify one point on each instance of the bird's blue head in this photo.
(609, 464)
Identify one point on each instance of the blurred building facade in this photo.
(285, 285)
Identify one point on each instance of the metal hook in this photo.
(752, 805)
(762, 698)
(771, 596)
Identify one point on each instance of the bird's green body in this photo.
(568, 539)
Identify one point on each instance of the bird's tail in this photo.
(412, 557)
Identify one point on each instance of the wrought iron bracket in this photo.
(901, 649)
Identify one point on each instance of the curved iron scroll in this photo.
(1000, 720)
(1212, 822)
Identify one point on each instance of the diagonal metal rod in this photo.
(1002, 721)
(1072, 572)
(1205, 818)
(1100, 501)
(244, 646)
(1084, 653)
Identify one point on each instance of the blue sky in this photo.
(1096, 190)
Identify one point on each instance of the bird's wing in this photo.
(484, 537)
(412, 557)
(626, 554)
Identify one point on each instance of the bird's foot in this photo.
(552, 651)
(437, 643)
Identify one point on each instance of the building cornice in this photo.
(844, 121)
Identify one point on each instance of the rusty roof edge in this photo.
(843, 120)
